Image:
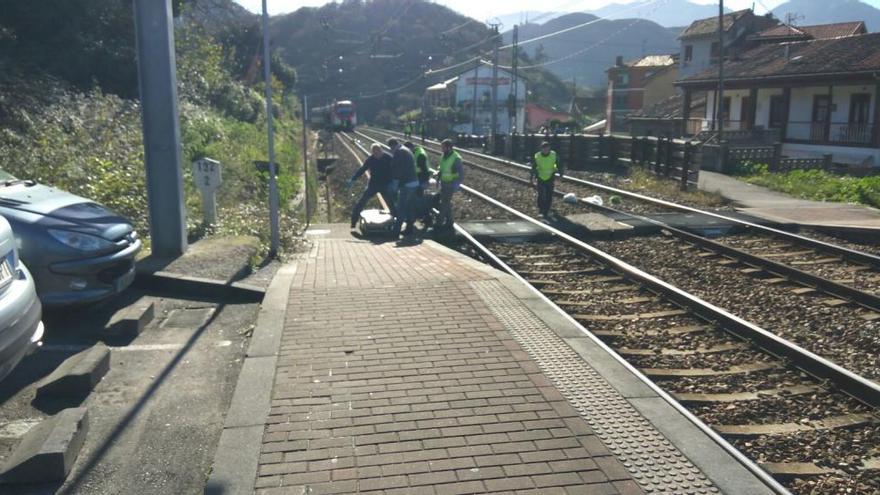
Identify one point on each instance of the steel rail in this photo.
(836, 289)
(852, 254)
(855, 385)
(638, 276)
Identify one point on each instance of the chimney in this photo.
(619, 61)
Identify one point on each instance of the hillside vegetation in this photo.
(359, 49)
(69, 114)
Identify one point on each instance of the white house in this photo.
(471, 92)
(699, 41)
(816, 97)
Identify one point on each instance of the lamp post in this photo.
(273, 184)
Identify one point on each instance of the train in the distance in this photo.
(339, 115)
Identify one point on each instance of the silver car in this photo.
(20, 311)
(78, 251)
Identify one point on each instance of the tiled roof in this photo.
(845, 55)
(653, 61)
(818, 31)
(702, 27)
(669, 108)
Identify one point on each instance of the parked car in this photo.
(78, 251)
(20, 310)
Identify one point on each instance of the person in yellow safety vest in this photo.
(544, 167)
(423, 172)
(407, 130)
(451, 174)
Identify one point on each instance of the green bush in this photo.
(822, 186)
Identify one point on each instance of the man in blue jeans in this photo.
(378, 164)
(406, 182)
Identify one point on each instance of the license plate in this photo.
(124, 281)
(5, 272)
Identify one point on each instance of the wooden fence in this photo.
(673, 159)
(772, 157)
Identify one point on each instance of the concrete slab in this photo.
(600, 225)
(78, 374)
(504, 229)
(235, 465)
(832, 215)
(47, 452)
(770, 205)
(131, 320)
(716, 464)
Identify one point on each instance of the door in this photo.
(777, 112)
(821, 117)
(745, 113)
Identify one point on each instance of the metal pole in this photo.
(720, 103)
(157, 80)
(515, 66)
(494, 89)
(273, 184)
(474, 104)
(305, 153)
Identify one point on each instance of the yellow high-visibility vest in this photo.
(545, 165)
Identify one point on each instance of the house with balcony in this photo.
(699, 41)
(816, 97)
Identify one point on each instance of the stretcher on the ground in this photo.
(375, 223)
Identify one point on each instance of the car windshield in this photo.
(6, 177)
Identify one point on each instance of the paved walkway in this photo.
(771, 205)
(418, 370)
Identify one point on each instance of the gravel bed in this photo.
(865, 247)
(780, 409)
(749, 382)
(841, 448)
(867, 280)
(836, 333)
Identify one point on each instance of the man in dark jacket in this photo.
(405, 180)
(421, 202)
(378, 164)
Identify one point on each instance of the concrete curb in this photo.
(47, 452)
(238, 452)
(196, 286)
(719, 466)
(78, 374)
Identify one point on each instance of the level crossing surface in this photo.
(415, 369)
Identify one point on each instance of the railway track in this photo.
(828, 316)
(806, 420)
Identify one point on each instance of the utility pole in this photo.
(474, 104)
(515, 66)
(157, 78)
(495, 43)
(719, 118)
(273, 169)
(305, 153)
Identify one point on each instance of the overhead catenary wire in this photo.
(432, 72)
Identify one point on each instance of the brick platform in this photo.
(394, 376)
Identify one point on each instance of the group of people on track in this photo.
(403, 176)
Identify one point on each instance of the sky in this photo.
(484, 9)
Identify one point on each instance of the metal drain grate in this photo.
(649, 457)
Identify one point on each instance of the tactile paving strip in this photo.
(655, 464)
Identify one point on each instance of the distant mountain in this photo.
(666, 13)
(828, 11)
(594, 46)
(527, 16)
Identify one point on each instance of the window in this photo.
(859, 108)
(777, 112)
(714, 51)
(688, 53)
(725, 110)
(622, 78)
